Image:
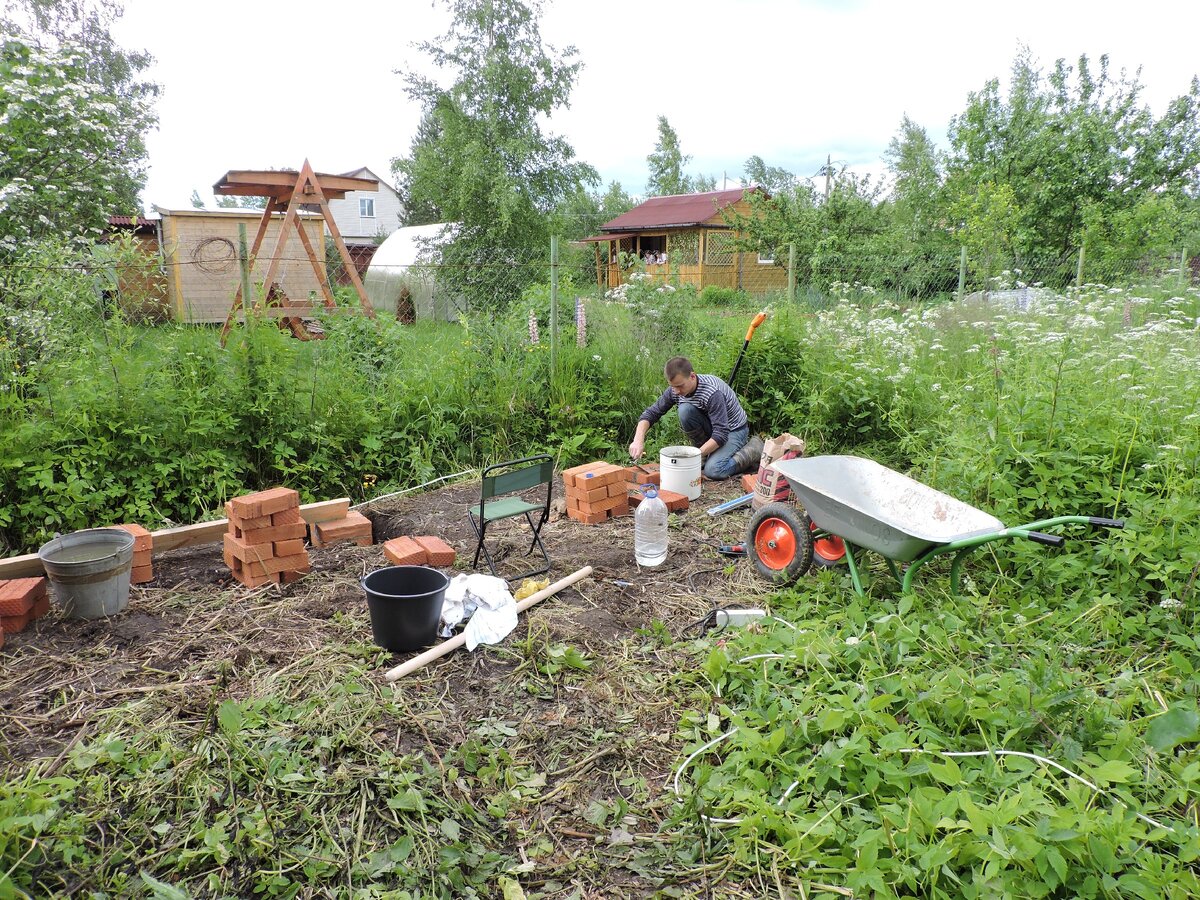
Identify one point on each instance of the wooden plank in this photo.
(30, 566)
(240, 181)
(317, 266)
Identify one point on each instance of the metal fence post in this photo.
(1183, 276)
(962, 272)
(1079, 268)
(553, 304)
(791, 284)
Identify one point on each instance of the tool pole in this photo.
(758, 320)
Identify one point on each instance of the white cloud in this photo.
(792, 82)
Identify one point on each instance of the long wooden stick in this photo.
(451, 644)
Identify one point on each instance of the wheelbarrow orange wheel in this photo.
(779, 540)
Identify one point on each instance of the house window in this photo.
(366, 207)
(766, 257)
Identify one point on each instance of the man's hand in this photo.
(636, 449)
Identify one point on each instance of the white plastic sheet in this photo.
(486, 603)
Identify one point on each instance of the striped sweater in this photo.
(713, 397)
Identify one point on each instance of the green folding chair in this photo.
(499, 499)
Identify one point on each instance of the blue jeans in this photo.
(698, 428)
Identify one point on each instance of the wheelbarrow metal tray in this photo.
(879, 509)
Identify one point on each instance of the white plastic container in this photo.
(679, 468)
(650, 529)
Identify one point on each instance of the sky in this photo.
(258, 85)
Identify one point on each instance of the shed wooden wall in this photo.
(201, 255)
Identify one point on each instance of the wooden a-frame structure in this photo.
(287, 191)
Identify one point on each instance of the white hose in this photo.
(411, 489)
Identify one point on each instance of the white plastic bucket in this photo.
(680, 470)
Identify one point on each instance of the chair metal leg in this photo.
(480, 530)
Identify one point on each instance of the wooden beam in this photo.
(241, 181)
(30, 566)
(317, 267)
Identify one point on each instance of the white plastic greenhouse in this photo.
(403, 263)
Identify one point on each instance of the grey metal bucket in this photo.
(89, 571)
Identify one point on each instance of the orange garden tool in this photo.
(758, 320)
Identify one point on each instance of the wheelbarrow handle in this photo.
(1106, 523)
(1050, 540)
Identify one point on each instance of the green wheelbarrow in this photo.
(871, 507)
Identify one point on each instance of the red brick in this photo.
(590, 494)
(288, 516)
(354, 527)
(404, 551)
(589, 518)
(41, 607)
(748, 482)
(235, 564)
(263, 503)
(1, 638)
(142, 558)
(18, 595)
(293, 575)
(143, 540)
(675, 502)
(617, 489)
(440, 553)
(570, 475)
(288, 548)
(247, 552)
(271, 534)
(276, 564)
(15, 624)
(253, 581)
(141, 574)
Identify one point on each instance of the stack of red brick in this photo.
(265, 540)
(353, 526)
(596, 492)
(423, 550)
(143, 549)
(21, 601)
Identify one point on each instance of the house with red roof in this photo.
(689, 236)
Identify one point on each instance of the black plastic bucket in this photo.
(405, 604)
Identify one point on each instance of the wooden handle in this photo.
(450, 644)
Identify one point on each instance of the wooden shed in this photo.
(691, 232)
(200, 249)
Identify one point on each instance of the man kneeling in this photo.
(711, 417)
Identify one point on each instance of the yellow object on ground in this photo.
(531, 586)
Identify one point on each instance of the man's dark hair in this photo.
(678, 365)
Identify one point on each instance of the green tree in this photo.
(107, 94)
(420, 207)
(1076, 141)
(915, 165)
(195, 200)
(773, 178)
(666, 164)
(488, 163)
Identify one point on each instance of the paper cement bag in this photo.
(770, 486)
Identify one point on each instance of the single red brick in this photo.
(404, 551)
(141, 574)
(276, 565)
(142, 558)
(143, 540)
(18, 595)
(589, 518)
(247, 552)
(748, 483)
(272, 533)
(288, 548)
(354, 527)
(675, 502)
(440, 553)
(288, 516)
(293, 575)
(41, 607)
(571, 475)
(15, 624)
(253, 581)
(617, 489)
(590, 493)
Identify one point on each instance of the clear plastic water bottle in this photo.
(650, 529)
